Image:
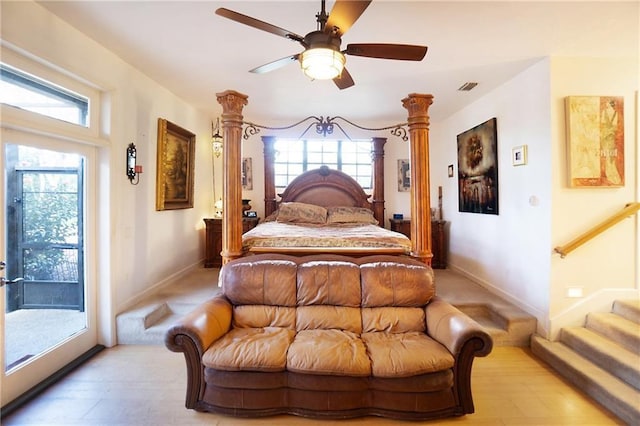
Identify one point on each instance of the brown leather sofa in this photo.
(329, 336)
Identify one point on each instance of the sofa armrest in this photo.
(205, 324)
(454, 329)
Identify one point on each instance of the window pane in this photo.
(281, 181)
(295, 169)
(27, 92)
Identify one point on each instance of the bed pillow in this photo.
(350, 215)
(301, 213)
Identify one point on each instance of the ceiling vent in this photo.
(467, 86)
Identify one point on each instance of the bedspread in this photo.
(278, 234)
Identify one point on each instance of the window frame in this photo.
(21, 119)
(305, 164)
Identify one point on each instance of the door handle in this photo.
(4, 281)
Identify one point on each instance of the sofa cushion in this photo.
(257, 316)
(405, 354)
(260, 282)
(329, 283)
(326, 317)
(396, 284)
(328, 352)
(393, 319)
(250, 349)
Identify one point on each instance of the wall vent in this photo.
(467, 86)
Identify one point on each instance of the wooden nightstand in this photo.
(213, 241)
(438, 239)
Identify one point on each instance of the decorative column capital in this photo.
(418, 107)
(232, 102)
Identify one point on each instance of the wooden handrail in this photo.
(628, 210)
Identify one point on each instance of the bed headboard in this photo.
(326, 187)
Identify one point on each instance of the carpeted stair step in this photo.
(614, 394)
(154, 335)
(506, 328)
(616, 359)
(132, 325)
(629, 309)
(622, 331)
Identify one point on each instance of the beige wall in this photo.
(139, 247)
(606, 267)
(512, 254)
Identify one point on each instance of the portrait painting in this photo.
(595, 132)
(175, 167)
(478, 169)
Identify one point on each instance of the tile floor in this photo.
(144, 385)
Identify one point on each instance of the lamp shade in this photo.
(322, 63)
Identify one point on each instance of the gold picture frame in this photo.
(175, 166)
(595, 133)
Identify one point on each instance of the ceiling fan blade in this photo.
(344, 80)
(256, 23)
(405, 52)
(344, 14)
(278, 63)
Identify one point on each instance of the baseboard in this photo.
(156, 288)
(537, 313)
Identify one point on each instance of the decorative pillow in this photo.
(301, 213)
(350, 215)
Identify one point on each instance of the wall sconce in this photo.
(133, 170)
(216, 139)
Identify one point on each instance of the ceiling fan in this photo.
(322, 57)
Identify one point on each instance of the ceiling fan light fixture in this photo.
(321, 63)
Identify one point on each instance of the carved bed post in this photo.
(232, 103)
(418, 106)
(377, 157)
(269, 175)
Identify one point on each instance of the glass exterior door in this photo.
(44, 297)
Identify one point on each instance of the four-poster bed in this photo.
(322, 211)
(328, 188)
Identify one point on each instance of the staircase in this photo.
(602, 358)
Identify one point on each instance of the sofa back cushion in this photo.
(256, 316)
(394, 295)
(328, 282)
(393, 319)
(260, 282)
(328, 296)
(389, 283)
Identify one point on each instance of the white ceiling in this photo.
(195, 53)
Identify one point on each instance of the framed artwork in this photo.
(175, 167)
(519, 155)
(404, 176)
(478, 169)
(595, 133)
(247, 174)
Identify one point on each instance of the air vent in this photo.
(467, 86)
